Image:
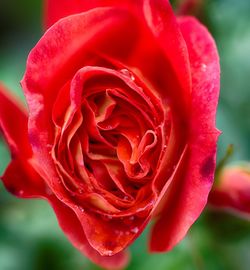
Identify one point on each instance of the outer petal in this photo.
(161, 21)
(232, 192)
(21, 180)
(55, 11)
(14, 123)
(188, 196)
(14, 126)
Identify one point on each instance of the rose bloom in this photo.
(122, 99)
(232, 190)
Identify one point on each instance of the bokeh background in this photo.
(30, 238)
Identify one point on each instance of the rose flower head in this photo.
(122, 98)
(231, 191)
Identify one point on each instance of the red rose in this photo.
(232, 190)
(121, 127)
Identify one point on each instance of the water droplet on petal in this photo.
(80, 208)
(21, 192)
(128, 74)
(135, 230)
(109, 253)
(203, 67)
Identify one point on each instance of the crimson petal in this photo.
(16, 134)
(54, 12)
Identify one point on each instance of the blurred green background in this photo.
(30, 238)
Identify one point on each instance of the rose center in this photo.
(112, 139)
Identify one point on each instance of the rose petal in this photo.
(21, 180)
(161, 21)
(16, 135)
(189, 195)
(55, 11)
(14, 123)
